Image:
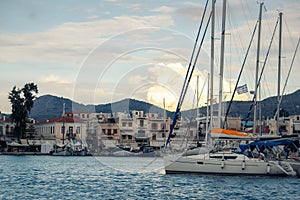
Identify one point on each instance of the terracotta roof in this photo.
(6, 120)
(66, 119)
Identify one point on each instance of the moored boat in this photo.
(226, 163)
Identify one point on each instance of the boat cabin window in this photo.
(221, 157)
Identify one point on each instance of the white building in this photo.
(61, 128)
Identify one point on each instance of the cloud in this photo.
(164, 9)
(54, 79)
(132, 54)
(72, 39)
(95, 16)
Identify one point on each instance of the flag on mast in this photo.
(242, 89)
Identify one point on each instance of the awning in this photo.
(14, 144)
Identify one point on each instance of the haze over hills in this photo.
(290, 103)
(49, 106)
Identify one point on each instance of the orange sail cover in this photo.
(219, 132)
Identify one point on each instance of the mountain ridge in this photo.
(51, 106)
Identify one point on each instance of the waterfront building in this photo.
(294, 124)
(287, 125)
(127, 130)
(61, 128)
(6, 128)
(158, 129)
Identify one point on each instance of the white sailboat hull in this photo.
(204, 165)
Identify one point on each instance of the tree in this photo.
(282, 112)
(22, 101)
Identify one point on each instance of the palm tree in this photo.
(22, 102)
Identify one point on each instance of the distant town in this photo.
(132, 132)
(101, 133)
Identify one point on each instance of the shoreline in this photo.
(24, 153)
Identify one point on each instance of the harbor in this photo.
(35, 177)
(150, 100)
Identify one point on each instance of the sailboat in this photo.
(225, 158)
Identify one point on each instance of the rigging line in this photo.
(240, 74)
(195, 61)
(189, 79)
(189, 73)
(240, 42)
(243, 8)
(287, 28)
(195, 46)
(202, 91)
(263, 68)
(289, 72)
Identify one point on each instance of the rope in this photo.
(263, 68)
(240, 74)
(188, 74)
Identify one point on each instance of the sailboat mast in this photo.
(197, 105)
(63, 127)
(222, 64)
(206, 126)
(212, 57)
(257, 68)
(279, 71)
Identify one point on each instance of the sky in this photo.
(102, 51)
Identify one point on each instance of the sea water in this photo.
(50, 177)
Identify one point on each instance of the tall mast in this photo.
(212, 57)
(279, 71)
(206, 126)
(197, 105)
(165, 123)
(222, 63)
(63, 127)
(257, 68)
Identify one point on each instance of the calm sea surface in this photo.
(49, 177)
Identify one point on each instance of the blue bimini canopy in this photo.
(266, 143)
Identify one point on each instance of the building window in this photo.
(141, 123)
(78, 129)
(130, 124)
(154, 126)
(123, 124)
(115, 131)
(154, 136)
(62, 129)
(141, 133)
(124, 137)
(129, 137)
(70, 129)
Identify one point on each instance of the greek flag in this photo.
(242, 89)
